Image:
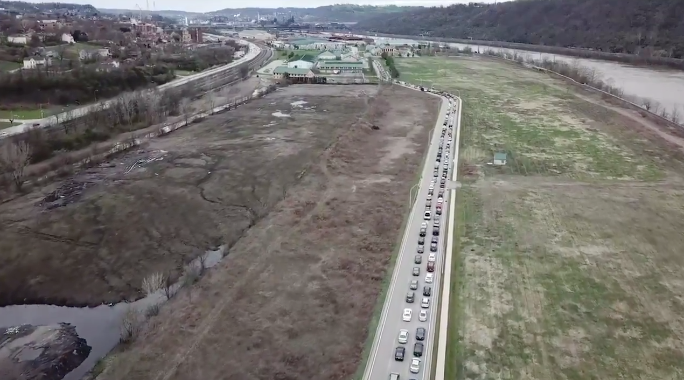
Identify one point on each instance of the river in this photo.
(660, 85)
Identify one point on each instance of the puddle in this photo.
(99, 326)
(280, 114)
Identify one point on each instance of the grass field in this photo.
(568, 260)
(7, 66)
(21, 114)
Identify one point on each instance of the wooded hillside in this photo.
(649, 27)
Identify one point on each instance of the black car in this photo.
(420, 333)
(427, 290)
(416, 271)
(435, 239)
(418, 349)
(435, 231)
(442, 185)
(418, 259)
(399, 354)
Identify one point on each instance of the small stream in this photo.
(99, 326)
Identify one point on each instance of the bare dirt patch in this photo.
(294, 297)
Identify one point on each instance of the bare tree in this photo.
(656, 107)
(674, 115)
(646, 102)
(15, 157)
(185, 109)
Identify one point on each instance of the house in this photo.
(303, 62)
(500, 159)
(68, 38)
(340, 66)
(96, 53)
(34, 63)
(289, 72)
(20, 39)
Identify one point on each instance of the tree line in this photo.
(650, 28)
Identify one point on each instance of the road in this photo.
(254, 51)
(381, 360)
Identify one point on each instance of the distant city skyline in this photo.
(214, 5)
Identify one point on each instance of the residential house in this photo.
(95, 53)
(500, 159)
(68, 38)
(20, 39)
(36, 62)
(284, 71)
(340, 66)
(186, 38)
(303, 62)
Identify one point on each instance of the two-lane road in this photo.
(381, 361)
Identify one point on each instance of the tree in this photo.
(15, 157)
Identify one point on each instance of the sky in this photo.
(213, 5)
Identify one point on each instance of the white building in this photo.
(68, 38)
(32, 63)
(19, 40)
(327, 56)
(300, 64)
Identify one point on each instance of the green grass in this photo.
(5, 124)
(566, 260)
(7, 66)
(20, 114)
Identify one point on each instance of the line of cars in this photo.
(435, 196)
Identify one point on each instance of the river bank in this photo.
(661, 86)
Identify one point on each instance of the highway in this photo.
(254, 53)
(381, 361)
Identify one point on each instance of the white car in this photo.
(428, 280)
(432, 186)
(440, 200)
(407, 315)
(423, 315)
(432, 257)
(415, 365)
(403, 336)
(427, 215)
(425, 303)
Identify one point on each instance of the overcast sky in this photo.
(213, 5)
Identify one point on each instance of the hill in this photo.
(163, 13)
(336, 13)
(651, 27)
(24, 7)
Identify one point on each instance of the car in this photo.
(440, 201)
(399, 354)
(433, 247)
(394, 376)
(428, 199)
(429, 278)
(403, 336)
(415, 365)
(438, 158)
(422, 231)
(406, 316)
(435, 231)
(435, 173)
(420, 331)
(413, 285)
(421, 240)
(430, 191)
(427, 291)
(431, 187)
(442, 185)
(420, 249)
(425, 303)
(436, 224)
(431, 266)
(416, 271)
(418, 349)
(435, 239)
(427, 215)
(410, 296)
(442, 181)
(418, 259)
(422, 316)
(441, 193)
(436, 217)
(432, 257)
(439, 210)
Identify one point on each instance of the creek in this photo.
(100, 326)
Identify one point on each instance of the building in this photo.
(303, 62)
(33, 63)
(500, 159)
(21, 39)
(340, 66)
(97, 53)
(68, 38)
(327, 56)
(289, 72)
(185, 37)
(196, 35)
